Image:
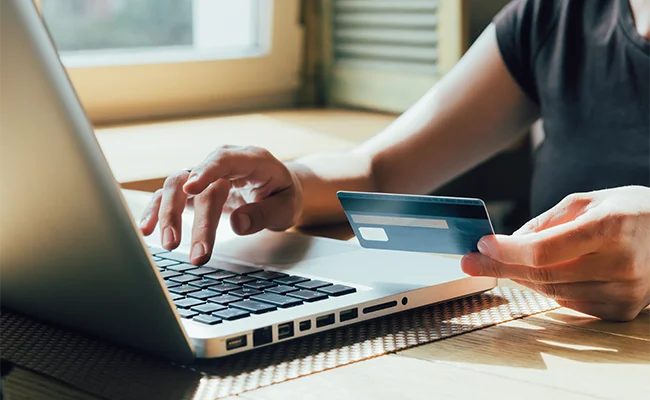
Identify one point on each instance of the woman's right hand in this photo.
(257, 189)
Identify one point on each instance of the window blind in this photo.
(385, 54)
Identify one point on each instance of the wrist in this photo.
(297, 171)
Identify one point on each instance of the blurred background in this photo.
(334, 68)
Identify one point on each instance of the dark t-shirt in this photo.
(586, 66)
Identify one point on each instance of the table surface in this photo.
(142, 155)
(557, 354)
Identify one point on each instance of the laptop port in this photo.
(236, 342)
(262, 336)
(285, 330)
(380, 307)
(305, 325)
(347, 315)
(324, 320)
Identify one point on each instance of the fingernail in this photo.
(193, 178)
(168, 237)
(471, 265)
(484, 248)
(243, 222)
(198, 251)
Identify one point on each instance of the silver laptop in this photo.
(70, 252)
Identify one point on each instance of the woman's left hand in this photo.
(591, 253)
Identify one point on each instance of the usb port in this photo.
(324, 320)
(285, 330)
(236, 342)
(347, 315)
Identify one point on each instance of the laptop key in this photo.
(244, 292)
(182, 267)
(259, 285)
(171, 284)
(188, 302)
(166, 263)
(203, 294)
(231, 314)
(315, 284)
(224, 287)
(186, 313)
(203, 283)
(169, 274)
(239, 279)
(175, 296)
(201, 271)
(156, 258)
(208, 308)
(237, 269)
(182, 289)
(183, 278)
(337, 290)
(172, 255)
(308, 295)
(224, 299)
(282, 289)
(290, 280)
(277, 300)
(268, 275)
(207, 319)
(253, 306)
(219, 275)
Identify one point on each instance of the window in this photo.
(170, 58)
(122, 32)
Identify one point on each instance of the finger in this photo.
(577, 291)
(207, 211)
(592, 267)
(569, 209)
(557, 244)
(276, 213)
(150, 214)
(235, 163)
(171, 210)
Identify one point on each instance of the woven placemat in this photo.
(115, 372)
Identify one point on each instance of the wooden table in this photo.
(560, 354)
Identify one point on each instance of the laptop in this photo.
(71, 253)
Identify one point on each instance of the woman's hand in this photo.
(590, 253)
(257, 189)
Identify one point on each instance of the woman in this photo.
(581, 65)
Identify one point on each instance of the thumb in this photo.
(567, 210)
(277, 213)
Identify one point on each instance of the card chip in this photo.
(373, 234)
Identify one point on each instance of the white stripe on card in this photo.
(400, 221)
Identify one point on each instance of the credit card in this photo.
(426, 224)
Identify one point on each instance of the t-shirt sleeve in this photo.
(521, 28)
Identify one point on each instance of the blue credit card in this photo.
(427, 224)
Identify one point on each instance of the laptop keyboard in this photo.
(221, 291)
